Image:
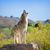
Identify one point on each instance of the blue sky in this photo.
(37, 9)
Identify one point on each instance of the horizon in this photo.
(37, 9)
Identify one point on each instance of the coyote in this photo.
(20, 29)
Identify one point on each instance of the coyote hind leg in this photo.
(14, 40)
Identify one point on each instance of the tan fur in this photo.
(19, 30)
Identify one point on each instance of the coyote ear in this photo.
(24, 11)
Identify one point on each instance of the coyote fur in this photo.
(20, 29)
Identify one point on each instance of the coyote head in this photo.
(24, 14)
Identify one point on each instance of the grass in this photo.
(5, 42)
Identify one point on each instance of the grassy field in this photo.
(40, 35)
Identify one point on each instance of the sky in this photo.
(37, 9)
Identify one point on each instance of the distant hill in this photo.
(44, 22)
(10, 21)
(36, 24)
(47, 21)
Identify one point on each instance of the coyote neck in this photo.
(24, 20)
(24, 23)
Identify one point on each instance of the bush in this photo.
(41, 36)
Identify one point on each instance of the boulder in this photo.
(17, 47)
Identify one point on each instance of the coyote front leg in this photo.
(25, 38)
(16, 39)
(20, 38)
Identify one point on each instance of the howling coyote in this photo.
(20, 29)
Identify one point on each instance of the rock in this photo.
(17, 47)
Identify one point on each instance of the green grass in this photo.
(5, 42)
(6, 31)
